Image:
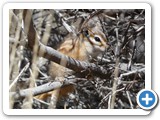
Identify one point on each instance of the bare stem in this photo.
(16, 79)
(114, 88)
(129, 99)
(43, 88)
(116, 71)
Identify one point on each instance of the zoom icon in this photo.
(147, 99)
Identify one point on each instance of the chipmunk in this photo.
(90, 42)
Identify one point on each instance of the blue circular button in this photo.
(147, 99)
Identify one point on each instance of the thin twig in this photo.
(109, 102)
(32, 74)
(107, 16)
(132, 72)
(127, 82)
(129, 99)
(119, 90)
(104, 98)
(44, 75)
(41, 101)
(17, 78)
(69, 28)
(75, 17)
(106, 88)
(116, 71)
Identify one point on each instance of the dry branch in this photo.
(116, 71)
(76, 65)
(43, 88)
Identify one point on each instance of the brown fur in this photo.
(78, 48)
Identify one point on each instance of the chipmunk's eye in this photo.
(97, 39)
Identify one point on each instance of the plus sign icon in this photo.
(147, 99)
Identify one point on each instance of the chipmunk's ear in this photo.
(85, 32)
